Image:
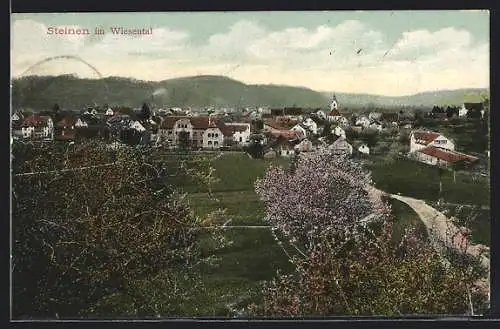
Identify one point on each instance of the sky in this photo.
(389, 53)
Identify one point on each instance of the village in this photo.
(262, 132)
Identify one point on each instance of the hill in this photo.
(69, 91)
(425, 99)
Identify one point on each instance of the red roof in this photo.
(197, 122)
(446, 155)
(287, 134)
(334, 113)
(425, 137)
(35, 120)
(67, 122)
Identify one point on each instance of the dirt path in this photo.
(441, 227)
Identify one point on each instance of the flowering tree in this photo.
(326, 191)
(348, 262)
(90, 224)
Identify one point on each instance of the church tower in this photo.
(334, 104)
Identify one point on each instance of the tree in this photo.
(255, 147)
(86, 239)
(341, 239)
(145, 112)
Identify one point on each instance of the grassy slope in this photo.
(254, 256)
(421, 181)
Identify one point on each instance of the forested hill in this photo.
(71, 92)
(426, 99)
(201, 91)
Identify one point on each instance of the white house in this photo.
(462, 112)
(301, 131)
(286, 150)
(423, 139)
(363, 148)
(338, 131)
(304, 146)
(375, 116)
(16, 117)
(136, 125)
(341, 146)
(311, 125)
(363, 121)
(81, 123)
(321, 114)
(213, 138)
(36, 126)
(240, 132)
(109, 112)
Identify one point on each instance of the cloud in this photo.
(161, 41)
(351, 56)
(30, 43)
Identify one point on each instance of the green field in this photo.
(421, 181)
(253, 256)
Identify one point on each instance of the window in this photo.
(241, 139)
(440, 141)
(216, 135)
(209, 135)
(216, 143)
(209, 142)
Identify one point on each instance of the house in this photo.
(376, 125)
(109, 112)
(213, 138)
(338, 131)
(311, 125)
(183, 129)
(375, 116)
(467, 107)
(304, 146)
(283, 147)
(66, 128)
(341, 146)
(240, 132)
(37, 127)
(422, 139)
(300, 130)
(364, 149)
(443, 157)
(81, 123)
(321, 114)
(17, 117)
(363, 121)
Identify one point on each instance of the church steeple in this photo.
(333, 104)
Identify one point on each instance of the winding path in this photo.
(441, 227)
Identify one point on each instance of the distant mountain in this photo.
(425, 99)
(200, 91)
(71, 92)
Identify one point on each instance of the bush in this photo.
(81, 236)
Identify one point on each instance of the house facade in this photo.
(422, 139)
(37, 127)
(213, 138)
(341, 146)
